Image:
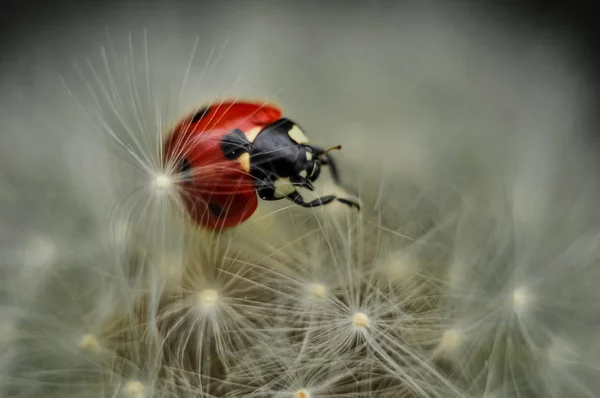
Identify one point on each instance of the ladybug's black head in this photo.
(282, 160)
(282, 152)
(297, 159)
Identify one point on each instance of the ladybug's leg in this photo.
(333, 168)
(326, 160)
(297, 199)
(266, 190)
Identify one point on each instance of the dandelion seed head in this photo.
(137, 91)
(303, 393)
(133, 389)
(451, 339)
(162, 182)
(89, 342)
(317, 291)
(207, 298)
(360, 320)
(521, 299)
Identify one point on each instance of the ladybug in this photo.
(227, 154)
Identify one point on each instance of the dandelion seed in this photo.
(134, 389)
(360, 320)
(89, 342)
(303, 393)
(162, 182)
(451, 340)
(317, 290)
(520, 300)
(208, 298)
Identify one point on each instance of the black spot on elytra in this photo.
(215, 209)
(184, 168)
(234, 144)
(199, 114)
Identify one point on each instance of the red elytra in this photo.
(217, 192)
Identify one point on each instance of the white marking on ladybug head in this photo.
(244, 160)
(253, 133)
(303, 174)
(297, 135)
(308, 156)
(283, 187)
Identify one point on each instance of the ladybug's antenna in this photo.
(335, 148)
(325, 160)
